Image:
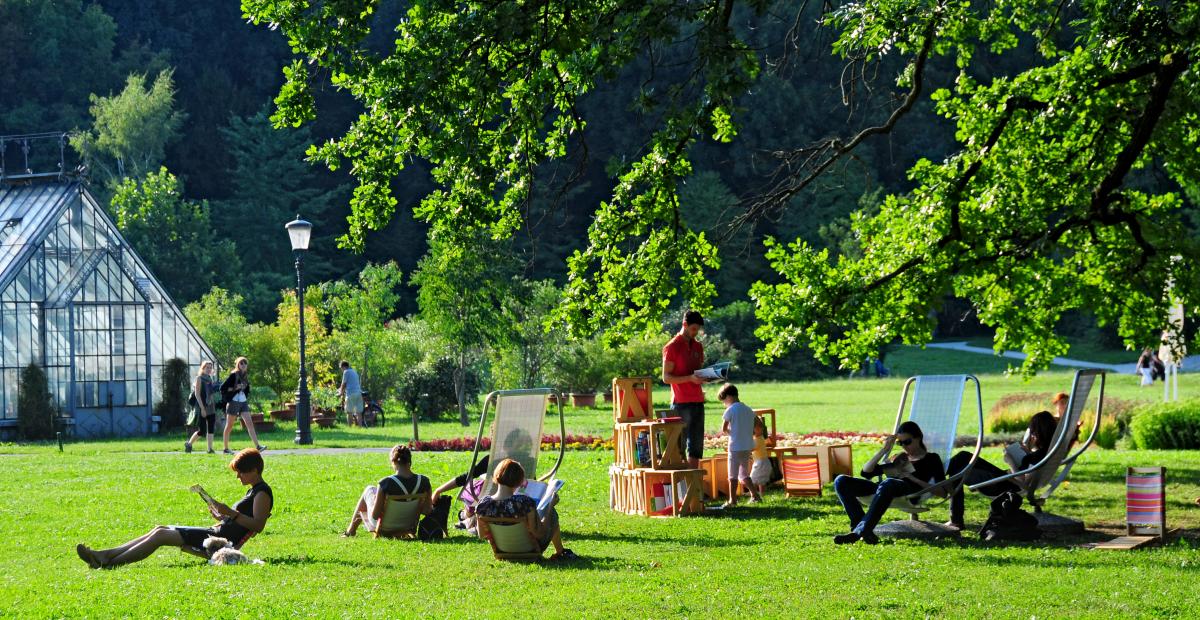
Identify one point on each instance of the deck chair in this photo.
(936, 406)
(401, 515)
(1047, 474)
(512, 538)
(801, 476)
(519, 416)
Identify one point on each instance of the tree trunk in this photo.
(460, 388)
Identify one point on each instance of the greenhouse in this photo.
(76, 299)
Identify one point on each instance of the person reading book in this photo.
(915, 468)
(681, 358)
(247, 517)
(507, 501)
(1018, 456)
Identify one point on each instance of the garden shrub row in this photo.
(1167, 426)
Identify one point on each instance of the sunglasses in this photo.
(905, 442)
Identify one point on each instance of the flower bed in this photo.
(549, 442)
(713, 441)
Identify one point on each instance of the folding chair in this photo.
(512, 538)
(1048, 473)
(401, 514)
(801, 476)
(936, 407)
(519, 416)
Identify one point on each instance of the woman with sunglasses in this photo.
(915, 468)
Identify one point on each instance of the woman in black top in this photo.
(236, 393)
(369, 510)
(1041, 432)
(927, 470)
(246, 518)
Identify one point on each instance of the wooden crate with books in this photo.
(650, 475)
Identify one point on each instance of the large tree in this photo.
(1076, 125)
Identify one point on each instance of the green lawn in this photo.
(835, 404)
(771, 560)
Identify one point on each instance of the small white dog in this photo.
(222, 553)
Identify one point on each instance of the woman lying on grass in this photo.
(246, 518)
(914, 469)
(506, 502)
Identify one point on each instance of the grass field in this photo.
(771, 560)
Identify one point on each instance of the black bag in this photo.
(1006, 520)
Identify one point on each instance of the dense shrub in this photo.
(35, 405)
(1011, 413)
(1115, 425)
(1167, 426)
(428, 389)
(175, 391)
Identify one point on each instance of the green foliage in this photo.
(176, 386)
(217, 316)
(56, 53)
(1039, 212)
(1011, 414)
(173, 235)
(35, 405)
(640, 356)
(131, 130)
(430, 390)
(525, 357)
(270, 184)
(1167, 426)
(359, 314)
(581, 367)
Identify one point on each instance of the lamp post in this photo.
(299, 232)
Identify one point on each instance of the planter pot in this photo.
(283, 415)
(324, 421)
(608, 398)
(584, 399)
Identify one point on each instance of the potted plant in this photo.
(581, 369)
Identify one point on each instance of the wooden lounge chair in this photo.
(512, 538)
(801, 476)
(936, 406)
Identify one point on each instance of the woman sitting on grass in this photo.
(247, 517)
(1041, 432)
(507, 503)
(369, 510)
(914, 469)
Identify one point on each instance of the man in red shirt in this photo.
(682, 357)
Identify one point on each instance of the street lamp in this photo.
(299, 232)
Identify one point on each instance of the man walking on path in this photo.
(682, 357)
(351, 392)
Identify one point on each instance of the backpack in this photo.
(1006, 520)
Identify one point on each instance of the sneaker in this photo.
(261, 448)
(870, 538)
(228, 451)
(187, 447)
(848, 538)
(211, 451)
(957, 525)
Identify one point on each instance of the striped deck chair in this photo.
(1047, 474)
(519, 416)
(936, 407)
(1146, 501)
(801, 476)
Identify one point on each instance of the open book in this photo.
(1014, 453)
(897, 469)
(716, 372)
(195, 488)
(543, 492)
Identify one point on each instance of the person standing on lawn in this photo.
(739, 424)
(204, 390)
(351, 393)
(236, 394)
(682, 357)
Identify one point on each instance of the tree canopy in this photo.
(1076, 130)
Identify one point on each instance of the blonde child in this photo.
(739, 424)
(760, 472)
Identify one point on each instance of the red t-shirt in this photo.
(688, 356)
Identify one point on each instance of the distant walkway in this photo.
(1192, 362)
